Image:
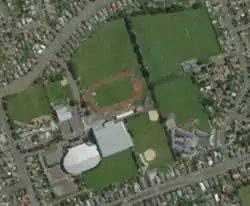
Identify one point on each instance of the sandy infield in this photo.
(149, 155)
(153, 115)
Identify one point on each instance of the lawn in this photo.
(58, 93)
(105, 96)
(28, 104)
(113, 169)
(150, 135)
(106, 53)
(166, 40)
(244, 196)
(180, 97)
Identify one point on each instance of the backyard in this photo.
(166, 40)
(245, 196)
(58, 93)
(28, 104)
(112, 169)
(150, 135)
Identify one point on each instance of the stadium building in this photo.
(81, 158)
(111, 138)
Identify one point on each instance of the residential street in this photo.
(25, 81)
(233, 113)
(19, 161)
(182, 181)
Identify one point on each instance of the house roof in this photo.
(81, 158)
(112, 138)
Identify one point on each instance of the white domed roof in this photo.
(81, 158)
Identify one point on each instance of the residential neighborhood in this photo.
(125, 102)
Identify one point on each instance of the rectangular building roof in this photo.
(55, 174)
(53, 155)
(64, 187)
(63, 113)
(112, 138)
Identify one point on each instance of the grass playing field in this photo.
(245, 196)
(180, 97)
(106, 53)
(113, 169)
(28, 104)
(104, 94)
(150, 135)
(166, 40)
(58, 93)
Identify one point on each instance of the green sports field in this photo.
(245, 196)
(166, 40)
(150, 135)
(28, 104)
(104, 94)
(181, 98)
(58, 93)
(106, 53)
(113, 169)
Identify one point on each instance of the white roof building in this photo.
(112, 137)
(63, 113)
(81, 158)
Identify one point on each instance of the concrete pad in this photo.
(149, 155)
(153, 115)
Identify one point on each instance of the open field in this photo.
(28, 104)
(166, 40)
(106, 53)
(57, 93)
(245, 195)
(113, 169)
(150, 135)
(104, 94)
(180, 97)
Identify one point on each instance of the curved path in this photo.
(25, 81)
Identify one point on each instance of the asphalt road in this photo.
(243, 27)
(182, 181)
(19, 160)
(25, 81)
(236, 39)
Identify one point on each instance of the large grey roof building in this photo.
(112, 138)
